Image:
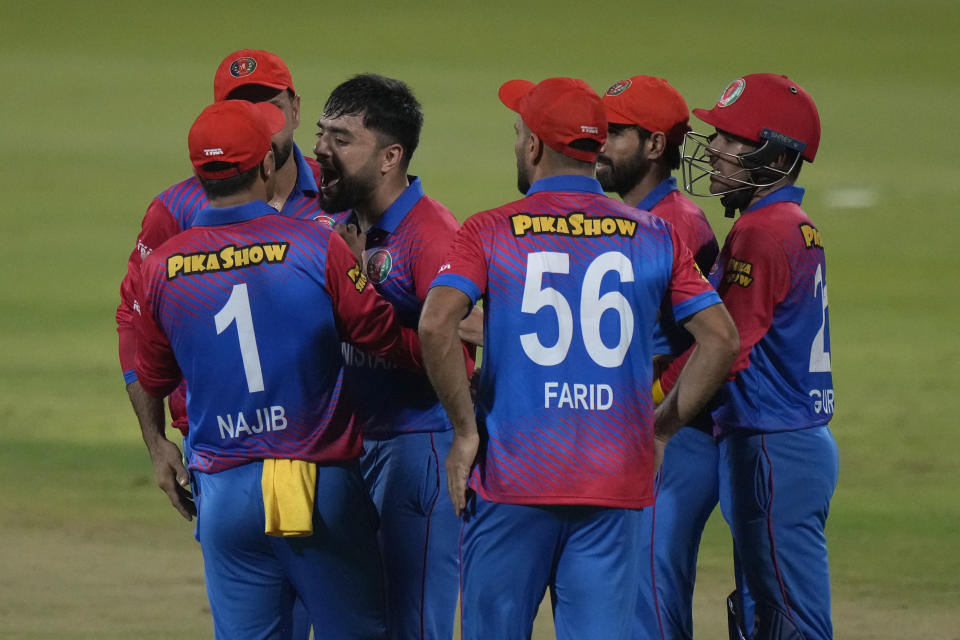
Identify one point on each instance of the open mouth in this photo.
(329, 180)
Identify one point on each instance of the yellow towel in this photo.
(289, 490)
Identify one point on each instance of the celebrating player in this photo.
(648, 119)
(247, 74)
(251, 307)
(778, 459)
(568, 441)
(368, 132)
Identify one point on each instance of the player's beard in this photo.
(282, 153)
(621, 178)
(350, 191)
(523, 177)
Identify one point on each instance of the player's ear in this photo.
(656, 145)
(534, 148)
(392, 157)
(295, 108)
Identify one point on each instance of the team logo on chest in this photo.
(379, 265)
(242, 67)
(323, 219)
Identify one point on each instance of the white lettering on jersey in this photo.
(267, 419)
(822, 400)
(587, 397)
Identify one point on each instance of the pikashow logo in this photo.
(732, 92)
(225, 259)
(575, 224)
(739, 272)
(618, 88)
(379, 266)
(242, 67)
(811, 236)
(357, 277)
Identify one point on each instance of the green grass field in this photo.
(97, 101)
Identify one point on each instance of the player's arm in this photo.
(157, 375)
(717, 345)
(443, 360)
(363, 316)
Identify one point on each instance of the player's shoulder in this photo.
(183, 200)
(431, 213)
(677, 206)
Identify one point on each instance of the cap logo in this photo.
(588, 129)
(242, 67)
(217, 151)
(732, 92)
(379, 266)
(618, 88)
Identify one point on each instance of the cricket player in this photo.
(647, 121)
(778, 459)
(367, 135)
(247, 74)
(251, 306)
(553, 470)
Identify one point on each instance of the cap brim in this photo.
(513, 91)
(707, 116)
(272, 116)
(614, 116)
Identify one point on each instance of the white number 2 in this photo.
(238, 308)
(592, 308)
(819, 356)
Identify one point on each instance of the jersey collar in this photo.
(579, 183)
(213, 217)
(789, 193)
(394, 214)
(305, 181)
(659, 192)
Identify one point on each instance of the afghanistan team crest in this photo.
(619, 87)
(242, 67)
(732, 92)
(379, 265)
(322, 219)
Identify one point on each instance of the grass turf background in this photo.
(97, 100)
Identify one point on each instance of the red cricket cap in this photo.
(559, 111)
(650, 103)
(232, 131)
(765, 106)
(250, 66)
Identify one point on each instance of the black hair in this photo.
(388, 107)
(257, 93)
(223, 187)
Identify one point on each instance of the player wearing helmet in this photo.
(778, 459)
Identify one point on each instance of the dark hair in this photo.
(257, 93)
(222, 187)
(388, 107)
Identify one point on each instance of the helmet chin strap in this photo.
(737, 201)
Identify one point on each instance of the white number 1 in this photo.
(238, 308)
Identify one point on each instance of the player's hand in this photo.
(172, 476)
(470, 329)
(463, 453)
(355, 239)
(659, 447)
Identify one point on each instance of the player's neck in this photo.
(646, 184)
(384, 194)
(284, 181)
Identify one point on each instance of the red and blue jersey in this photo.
(772, 276)
(170, 213)
(690, 223)
(405, 248)
(251, 306)
(572, 282)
